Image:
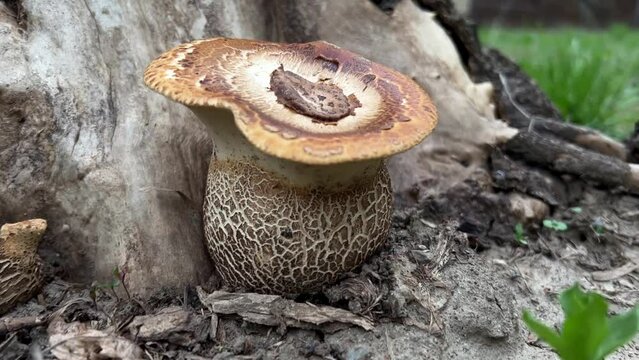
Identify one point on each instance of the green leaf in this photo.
(555, 225)
(114, 283)
(520, 234)
(585, 326)
(598, 225)
(587, 332)
(622, 328)
(116, 272)
(576, 210)
(574, 301)
(545, 333)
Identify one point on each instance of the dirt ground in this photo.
(432, 292)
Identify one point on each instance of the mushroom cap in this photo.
(312, 103)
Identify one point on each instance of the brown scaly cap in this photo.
(312, 103)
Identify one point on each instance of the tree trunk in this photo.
(118, 171)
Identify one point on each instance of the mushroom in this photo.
(20, 266)
(297, 190)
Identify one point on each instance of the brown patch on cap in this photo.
(320, 100)
(312, 103)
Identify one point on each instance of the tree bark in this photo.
(118, 171)
(570, 159)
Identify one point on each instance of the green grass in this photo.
(591, 76)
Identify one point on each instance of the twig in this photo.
(629, 214)
(114, 293)
(146, 352)
(185, 300)
(6, 343)
(95, 289)
(530, 117)
(389, 349)
(8, 325)
(126, 290)
(613, 274)
(523, 278)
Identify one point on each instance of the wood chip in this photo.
(78, 341)
(172, 324)
(215, 320)
(274, 310)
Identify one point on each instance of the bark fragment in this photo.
(508, 174)
(74, 341)
(274, 310)
(171, 324)
(567, 158)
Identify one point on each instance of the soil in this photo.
(433, 292)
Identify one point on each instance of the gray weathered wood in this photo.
(117, 170)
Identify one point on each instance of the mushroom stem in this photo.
(273, 225)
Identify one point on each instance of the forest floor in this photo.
(432, 292)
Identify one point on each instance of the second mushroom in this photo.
(297, 191)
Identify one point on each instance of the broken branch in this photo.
(274, 310)
(567, 158)
(11, 324)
